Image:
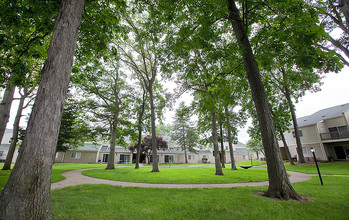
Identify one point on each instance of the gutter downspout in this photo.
(99, 149)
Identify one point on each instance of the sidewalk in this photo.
(75, 177)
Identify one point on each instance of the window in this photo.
(75, 155)
(338, 132)
(205, 156)
(191, 157)
(105, 158)
(124, 158)
(300, 133)
(244, 157)
(304, 149)
(2, 153)
(169, 158)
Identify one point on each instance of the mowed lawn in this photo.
(330, 201)
(179, 175)
(334, 168)
(57, 171)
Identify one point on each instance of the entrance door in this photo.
(340, 152)
(105, 158)
(169, 159)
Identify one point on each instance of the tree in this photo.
(183, 131)
(255, 146)
(139, 52)
(74, 131)
(279, 184)
(334, 17)
(23, 41)
(147, 146)
(141, 110)
(25, 93)
(107, 98)
(289, 57)
(27, 192)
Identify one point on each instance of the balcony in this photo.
(334, 135)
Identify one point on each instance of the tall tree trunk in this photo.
(295, 125)
(222, 145)
(11, 150)
(138, 156)
(279, 183)
(153, 132)
(215, 145)
(5, 107)
(233, 165)
(286, 147)
(185, 147)
(141, 113)
(27, 194)
(140, 133)
(111, 158)
(230, 141)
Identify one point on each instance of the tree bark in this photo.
(286, 148)
(153, 132)
(12, 148)
(185, 147)
(279, 184)
(111, 158)
(222, 144)
(140, 130)
(5, 107)
(233, 165)
(295, 125)
(215, 145)
(27, 194)
(344, 6)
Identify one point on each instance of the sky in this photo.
(334, 91)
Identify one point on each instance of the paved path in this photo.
(75, 177)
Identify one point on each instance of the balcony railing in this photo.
(334, 135)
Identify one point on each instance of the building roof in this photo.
(87, 147)
(327, 113)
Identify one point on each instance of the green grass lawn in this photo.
(57, 170)
(334, 168)
(179, 175)
(330, 201)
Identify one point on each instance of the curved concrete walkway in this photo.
(75, 177)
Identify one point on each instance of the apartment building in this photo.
(326, 131)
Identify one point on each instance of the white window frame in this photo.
(75, 155)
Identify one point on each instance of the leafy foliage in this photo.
(146, 146)
(184, 132)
